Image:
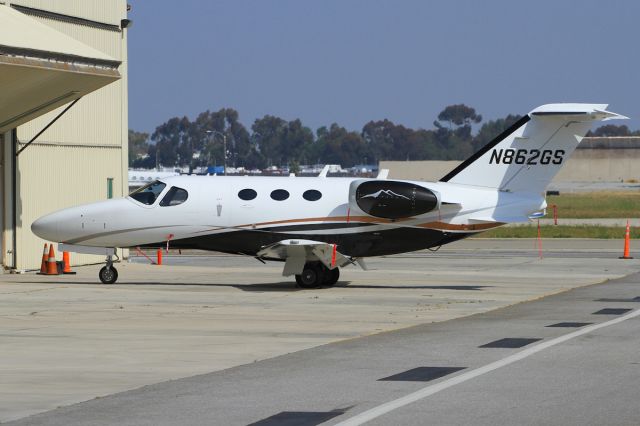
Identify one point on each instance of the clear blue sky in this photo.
(349, 61)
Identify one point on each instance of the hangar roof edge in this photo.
(22, 32)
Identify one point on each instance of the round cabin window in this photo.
(247, 194)
(312, 195)
(279, 194)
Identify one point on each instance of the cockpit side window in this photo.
(148, 194)
(174, 197)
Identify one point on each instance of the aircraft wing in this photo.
(296, 253)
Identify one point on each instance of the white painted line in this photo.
(472, 374)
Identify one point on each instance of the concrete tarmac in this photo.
(68, 339)
(588, 379)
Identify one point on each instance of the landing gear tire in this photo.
(108, 274)
(331, 277)
(312, 276)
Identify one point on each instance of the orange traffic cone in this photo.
(626, 243)
(67, 266)
(45, 257)
(52, 266)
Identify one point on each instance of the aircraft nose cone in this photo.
(46, 228)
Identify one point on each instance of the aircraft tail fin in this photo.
(527, 156)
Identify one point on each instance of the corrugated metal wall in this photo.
(101, 115)
(107, 11)
(52, 177)
(70, 163)
(106, 41)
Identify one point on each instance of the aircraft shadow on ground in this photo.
(420, 287)
(283, 286)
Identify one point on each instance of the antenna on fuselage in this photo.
(383, 174)
(324, 172)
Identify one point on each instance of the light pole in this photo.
(224, 142)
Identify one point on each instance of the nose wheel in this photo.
(108, 274)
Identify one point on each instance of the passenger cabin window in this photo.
(148, 194)
(312, 195)
(247, 194)
(174, 197)
(279, 194)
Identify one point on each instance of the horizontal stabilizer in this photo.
(592, 112)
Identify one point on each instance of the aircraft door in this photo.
(217, 209)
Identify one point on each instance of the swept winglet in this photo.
(608, 115)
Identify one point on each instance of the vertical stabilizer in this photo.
(530, 153)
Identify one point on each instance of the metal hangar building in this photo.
(63, 114)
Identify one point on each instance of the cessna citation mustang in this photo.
(317, 225)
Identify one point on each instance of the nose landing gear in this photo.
(108, 274)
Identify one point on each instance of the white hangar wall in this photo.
(72, 162)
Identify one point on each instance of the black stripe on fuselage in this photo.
(360, 244)
(502, 136)
(317, 227)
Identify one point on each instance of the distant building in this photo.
(597, 159)
(138, 178)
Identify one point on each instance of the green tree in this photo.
(343, 147)
(254, 160)
(294, 166)
(458, 115)
(138, 145)
(294, 140)
(611, 130)
(275, 141)
(379, 137)
(206, 131)
(454, 141)
(388, 141)
(268, 134)
(492, 129)
(172, 140)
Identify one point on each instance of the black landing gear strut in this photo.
(315, 275)
(108, 274)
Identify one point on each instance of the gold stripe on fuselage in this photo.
(438, 225)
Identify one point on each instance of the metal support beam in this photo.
(47, 126)
(14, 199)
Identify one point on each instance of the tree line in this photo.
(273, 141)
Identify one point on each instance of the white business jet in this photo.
(316, 225)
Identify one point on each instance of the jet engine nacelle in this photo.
(391, 199)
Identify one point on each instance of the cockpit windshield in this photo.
(148, 194)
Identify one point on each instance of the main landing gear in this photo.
(315, 275)
(108, 274)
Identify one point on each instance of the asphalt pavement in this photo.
(570, 358)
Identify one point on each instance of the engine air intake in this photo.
(394, 200)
